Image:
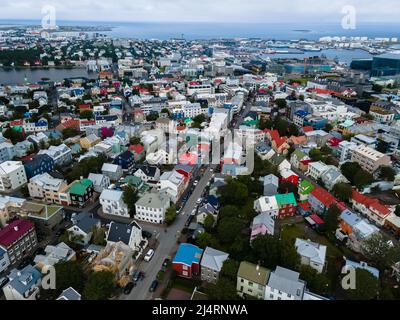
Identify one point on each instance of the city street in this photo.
(167, 243)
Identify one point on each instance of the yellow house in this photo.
(89, 141)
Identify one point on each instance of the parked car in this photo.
(3, 281)
(149, 255)
(154, 286)
(128, 288)
(199, 201)
(137, 275)
(196, 183)
(146, 234)
(165, 264)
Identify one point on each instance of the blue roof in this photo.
(364, 266)
(188, 254)
(2, 252)
(350, 217)
(301, 113)
(213, 201)
(25, 279)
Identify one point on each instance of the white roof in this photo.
(268, 204)
(213, 259)
(113, 195)
(108, 167)
(10, 166)
(314, 251)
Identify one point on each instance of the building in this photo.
(387, 64)
(312, 254)
(23, 285)
(45, 217)
(113, 203)
(284, 284)
(267, 205)
(271, 185)
(321, 200)
(47, 188)
(332, 176)
(18, 239)
(7, 151)
(262, 224)
(12, 175)
(345, 150)
(89, 141)
(316, 169)
(112, 171)
(369, 159)
(39, 164)
(81, 192)
(69, 294)
(152, 208)
(252, 280)
(149, 174)
(286, 204)
(4, 260)
(125, 160)
(305, 188)
(62, 155)
(83, 227)
(211, 264)
(128, 234)
(187, 260)
(55, 254)
(100, 181)
(173, 184)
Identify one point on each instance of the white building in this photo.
(100, 181)
(172, 184)
(316, 169)
(113, 203)
(370, 159)
(267, 205)
(60, 154)
(12, 175)
(152, 208)
(129, 234)
(284, 284)
(112, 171)
(345, 149)
(4, 260)
(47, 188)
(312, 254)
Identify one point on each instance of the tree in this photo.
(209, 222)
(397, 211)
(198, 120)
(366, 286)
(287, 187)
(130, 197)
(387, 173)
(233, 192)
(380, 251)
(316, 282)
(100, 286)
(377, 88)
(342, 191)
(281, 103)
(332, 219)
(229, 228)
(170, 215)
(135, 140)
(349, 170)
(70, 132)
(230, 269)
(240, 248)
(266, 251)
(13, 135)
(99, 236)
(362, 178)
(224, 290)
(204, 240)
(289, 258)
(86, 114)
(315, 155)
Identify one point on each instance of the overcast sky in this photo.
(285, 11)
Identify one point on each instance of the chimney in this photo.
(16, 228)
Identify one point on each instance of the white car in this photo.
(199, 201)
(195, 183)
(149, 255)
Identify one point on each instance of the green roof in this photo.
(40, 211)
(300, 154)
(285, 199)
(306, 187)
(80, 187)
(249, 272)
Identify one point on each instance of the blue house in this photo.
(315, 122)
(126, 160)
(39, 164)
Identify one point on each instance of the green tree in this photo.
(387, 173)
(362, 178)
(289, 258)
(281, 103)
(240, 249)
(342, 191)
(204, 240)
(170, 215)
(266, 251)
(366, 286)
(332, 220)
(86, 114)
(318, 283)
(315, 155)
(130, 197)
(397, 211)
(70, 132)
(99, 286)
(349, 170)
(229, 228)
(224, 290)
(99, 236)
(328, 127)
(135, 140)
(233, 192)
(230, 269)
(377, 88)
(209, 222)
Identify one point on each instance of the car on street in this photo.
(128, 288)
(3, 281)
(149, 255)
(194, 212)
(153, 286)
(199, 201)
(146, 234)
(166, 263)
(196, 183)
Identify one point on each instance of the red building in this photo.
(187, 260)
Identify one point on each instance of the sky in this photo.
(232, 11)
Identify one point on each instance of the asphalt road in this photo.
(167, 243)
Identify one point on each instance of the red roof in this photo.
(323, 91)
(317, 219)
(17, 123)
(138, 148)
(334, 142)
(85, 107)
(306, 206)
(324, 197)
(308, 129)
(371, 203)
(14, 231)
(274, 134)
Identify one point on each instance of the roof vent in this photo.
(16, 228)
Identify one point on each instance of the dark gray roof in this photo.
(70, 294)
(86, 222)
(149, 171)
(119, 232)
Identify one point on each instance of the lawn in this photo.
(186, 285)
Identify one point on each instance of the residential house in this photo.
(39, 164)
(138, 151)
(284, 284)
(62, 155)
(268, 205)
(321, 200)
(305, 188)
(296, 159)
(316, 169)
(370, 159)
(312, 254)
(82, 230)
(289, 176)
(81, 192)
(113, 203)
(12, 175)
(332, 176)
(54, 255)
(89, 141)
(113, 171)
(211, 264)
(152, 208)
(9, 207)
(45, 217)
(7, 151)
(23, 148)
(149, 174)
(24, 284)
(47, 188)
(286, 204)
(262, 225)
(252, 280)
(129, 234)
(4, 260)
(138, 183)
(69, 294)
(125, 160)
(18, 239)
(186, 262)
(204, 211)
(173, 184)
(100, 181)
(271, 185)
(264, 151)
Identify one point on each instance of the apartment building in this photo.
(252, 280)
(172, 184)
(211, 264)
(12, 175)
(152, 208)
(284, 284)
(24, 284)
(113, 203)
(370, 159)
(61, 154)
(47, 188)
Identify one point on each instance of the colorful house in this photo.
(321, 200)
(289, 176)
(81, 192)
(305, 189)
(126, 160)
(287, 205)
(187, 260)
(39, 164)
(138, 152)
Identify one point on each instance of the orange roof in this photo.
(298, 140)
(138, 148)
(308, 129)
